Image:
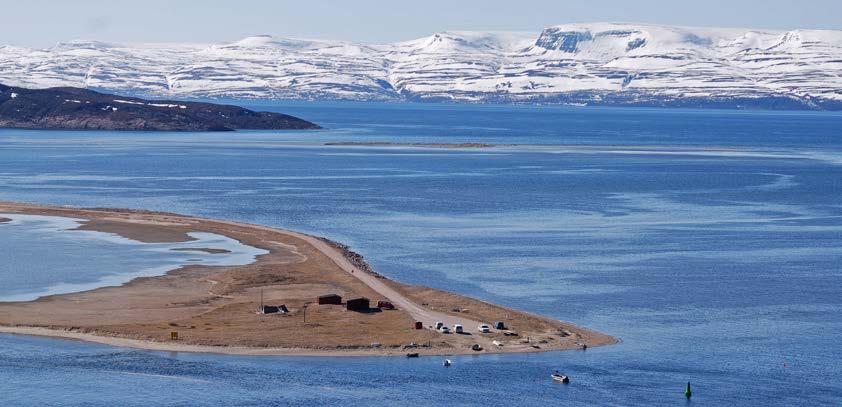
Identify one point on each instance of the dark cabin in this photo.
(358, 304)
(273, 309)
(329, 299)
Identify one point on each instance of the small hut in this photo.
(272, 309)
(333, 299)
(358, 304)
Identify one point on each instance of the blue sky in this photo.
(43, 23)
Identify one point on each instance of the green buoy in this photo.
(687, 392)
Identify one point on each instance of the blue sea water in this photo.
(709, 242)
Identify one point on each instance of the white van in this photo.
(458, 328)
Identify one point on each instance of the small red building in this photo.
(329, 299)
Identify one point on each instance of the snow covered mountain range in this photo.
(621, 64)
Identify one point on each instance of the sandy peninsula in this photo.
(415, 145)
(213, 308)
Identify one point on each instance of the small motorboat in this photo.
(447, 362)
(558, 377)
(413, 355)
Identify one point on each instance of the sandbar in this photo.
(214, 308)
(200, 249)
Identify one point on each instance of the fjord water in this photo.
(709, 242)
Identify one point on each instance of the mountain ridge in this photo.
(585, 63)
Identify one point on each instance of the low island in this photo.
(306, 285)
(83, 109)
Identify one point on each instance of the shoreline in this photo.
(154, 346)
(212, 307)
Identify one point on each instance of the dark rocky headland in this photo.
(82, 109)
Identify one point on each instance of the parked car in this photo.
(445, 330)
(439, 324)
(383, 304)
(484, 328)
(458, 328)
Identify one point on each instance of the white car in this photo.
(445, 330)
(484, 328)
(439, 324)
(458, 328)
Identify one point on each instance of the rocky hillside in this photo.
(81, 109)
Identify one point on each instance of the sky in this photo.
(41, 23)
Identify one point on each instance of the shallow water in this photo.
(723, 268)
(43, 255)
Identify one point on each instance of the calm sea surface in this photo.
(710, 242)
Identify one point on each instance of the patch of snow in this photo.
(166, 105)
(127, 102)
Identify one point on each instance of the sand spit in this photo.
(200, 249)
(418, 145)
(213, 308)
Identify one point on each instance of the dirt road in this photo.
(426, 316)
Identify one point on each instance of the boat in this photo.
(413, 355)
(558, 377)
(447, 362)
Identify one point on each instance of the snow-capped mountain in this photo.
(577, 63)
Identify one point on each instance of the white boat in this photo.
(447, 362)
(560, 378)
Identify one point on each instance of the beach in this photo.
(214, 308)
